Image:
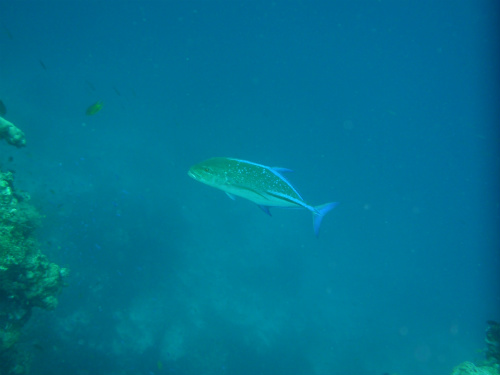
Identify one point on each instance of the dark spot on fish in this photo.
(42, 65)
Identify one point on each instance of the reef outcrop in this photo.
(491, 366)
(27, 278)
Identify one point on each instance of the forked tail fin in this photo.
(319, 212)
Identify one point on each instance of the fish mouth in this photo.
(193, 175)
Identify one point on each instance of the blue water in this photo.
(389, 107)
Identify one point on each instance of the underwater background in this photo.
(388, 107)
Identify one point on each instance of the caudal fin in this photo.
(319, 212)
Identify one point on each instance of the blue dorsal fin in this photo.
(230, 195)
(265, 209)
(281, 170)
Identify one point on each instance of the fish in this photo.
(94, 108)
(265, 186)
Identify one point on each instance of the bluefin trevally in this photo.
(258, 183)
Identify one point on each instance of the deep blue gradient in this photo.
(389, 107)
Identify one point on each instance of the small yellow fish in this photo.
(94, 108)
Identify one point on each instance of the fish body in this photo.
(94, 108)
(258, 183)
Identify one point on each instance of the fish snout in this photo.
(192, 174)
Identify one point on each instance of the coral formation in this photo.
(12, 134)
(469, 368)
(27, 278)
(493, 342)
(492, 364)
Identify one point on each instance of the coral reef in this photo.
(492, 353)
(469, 368)
(12, 134)
(27, 278)
(493, 342)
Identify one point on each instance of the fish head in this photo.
(212, 172)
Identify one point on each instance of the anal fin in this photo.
(265, 209)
